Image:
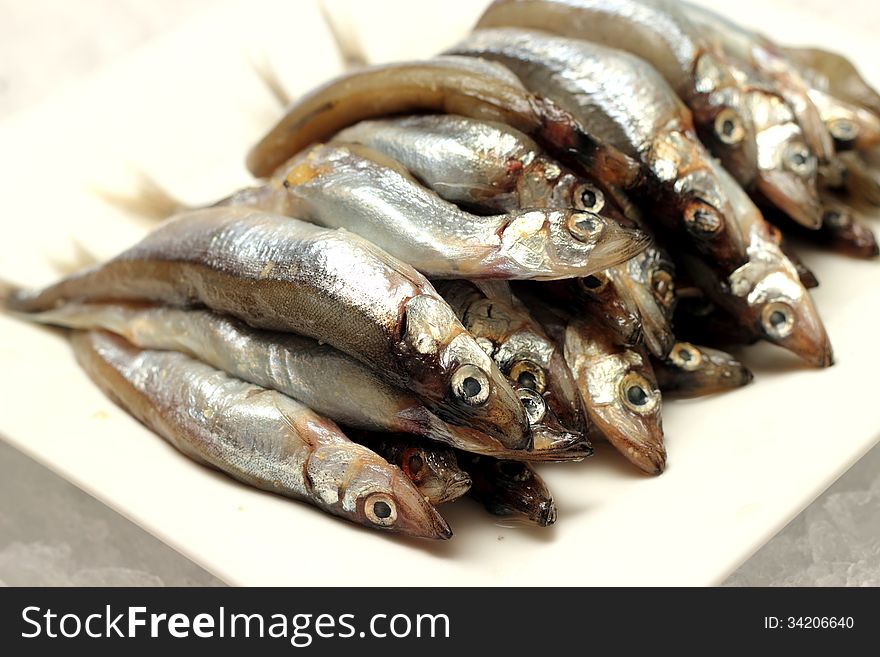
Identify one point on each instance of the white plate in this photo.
(185, 109)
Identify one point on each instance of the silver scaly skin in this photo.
(281, 274)
(323, 378)
(455, 85)
(494, 168)
(658, 32)
(337, 187)
(257, 436)
(724, 237)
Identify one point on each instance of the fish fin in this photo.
(81, 259)
(496, 290)
(347, 42)
(149, 199)
(7, 289)
(269, 77)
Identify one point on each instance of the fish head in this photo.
(648, 280)
(533, 364)
(852, 127)
(846, 229)
(694, 370)
(607, 294)
(788, 170)
(548, 433)
(435, 472)
(518, 492)
(393, 503)
(564, 243)
(620, 393)
(708, 216)
(774, 303)
(722, 119)
(465, 384)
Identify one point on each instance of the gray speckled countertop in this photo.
(51, 533)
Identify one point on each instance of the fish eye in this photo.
(529, 375)
(513, 470)
(729, 127)
(594, 283)
(587, 197)
(536, 407)
(686, 356)
(834, 218)
(585, 226)
(798, 160)
(638, 394)
(843, 129)
(777, 320)
(663, 286)
(470, 385)
(702, 219)
(381, 510)
(414, 463)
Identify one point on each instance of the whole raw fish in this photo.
(722, 237)
(281, 274)
(257, 436)
(454, 85)
(510, 489)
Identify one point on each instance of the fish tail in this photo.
(148, 200)
(8, 294)
(81, 259)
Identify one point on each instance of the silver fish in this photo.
(257, 436)
(853, 127)
(768, 60)
(695, 66)
(510, 489)
(431, 467)
(328, 381)
(836, 75)
(505, 329)
(485, 166)
(493, 168)
(720, 230)
(336, 187)
(286, 275)
(659, 33)
(694, 371)
(620, 392)
(457, 85)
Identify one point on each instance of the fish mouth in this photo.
(618, 245)
(558, 442)
(545, 514)
(807, 337)
(795, 196)
(814, 347)
(647, 453)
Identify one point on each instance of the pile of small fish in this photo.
(452, 269)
